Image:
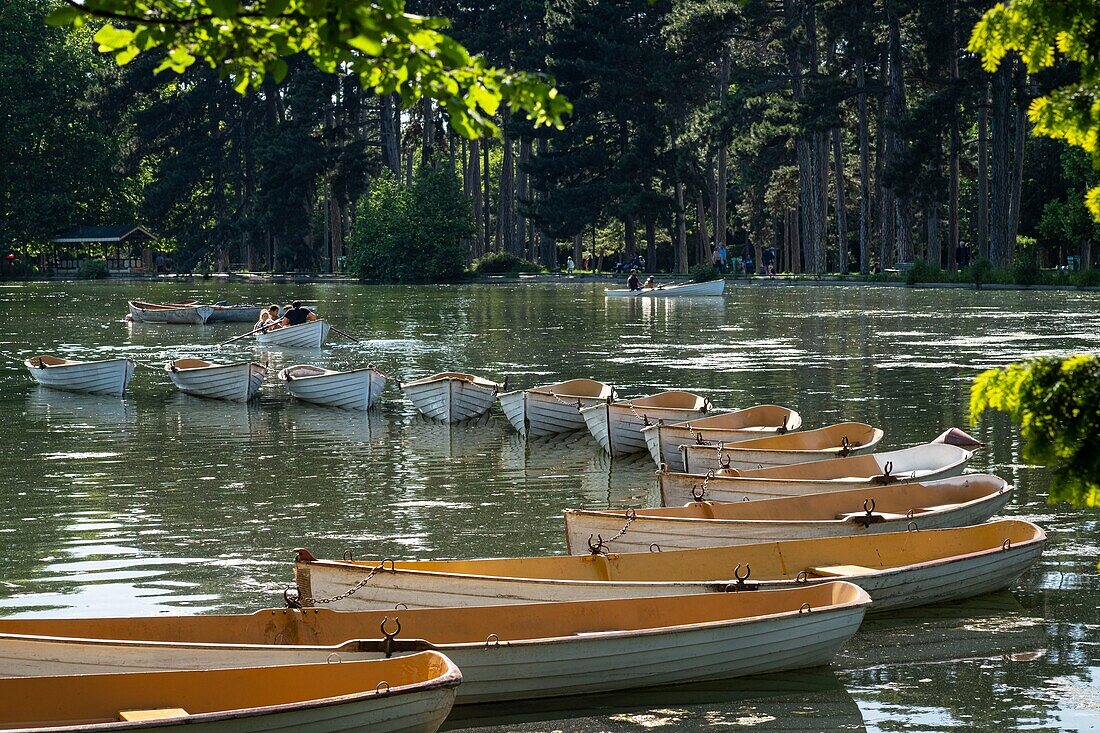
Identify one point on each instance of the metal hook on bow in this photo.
(387, 641)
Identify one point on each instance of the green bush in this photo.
(922, 272)
(703, 272)
(503, 263)
(979, 272)
(1085, 279)
(92, 269)
(1025, 271)
(415, 233)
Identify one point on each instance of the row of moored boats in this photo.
(820, 525)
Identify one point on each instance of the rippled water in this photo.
(174, 504)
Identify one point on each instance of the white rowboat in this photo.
(411, 694)
(835, 441)
(926, 462)
(953, 502)
(143, 312)
(451, 396)
(664, 439)
(548, 650)
(709, 288)
(108, 377)
(309, 335)
(617, 426)
(234, 382)
(553, 409)
(898, 569)
(357, 389)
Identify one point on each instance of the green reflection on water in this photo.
(168, 503)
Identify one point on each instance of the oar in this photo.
(344, 333)
(250, 333)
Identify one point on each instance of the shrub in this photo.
(503, 263)
(923, 272)
(1026, 272)
(979, 272)
(415, 233)
(92, 269)
(704, 272)
(1085, 279)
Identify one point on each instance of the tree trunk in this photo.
(983, 174)
(427, 115)
(505, 222)
(487, 194)
(796, 244)
(1017, 173)
(895, 147)
(841, 208)
(720, 215)
(703, 238)
(1000, 178)
(631, 237)
(650, 245)
(681, 231)
(578, 251)
(389, 127)
(864, 170)
(953, 161)
(519, 234)
(474, 178)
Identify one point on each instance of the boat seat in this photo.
(875, 518)
(937, 508)
(839, 571)
(132, 716)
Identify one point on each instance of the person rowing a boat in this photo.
(634, 283)
(296, 315)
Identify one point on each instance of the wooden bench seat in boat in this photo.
(133, 716)
(937, 508)
(875, 517)
(840, 571)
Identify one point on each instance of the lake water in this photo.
(163, 503)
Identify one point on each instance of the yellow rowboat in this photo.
(546, 650)
(952, 502)
(109, 377)
(234, 382)
(412, 694)
(451, 396)
(898, 569)
(664, 439)
(553, 409)
(835, 441)
(617, 426)
(927, 462)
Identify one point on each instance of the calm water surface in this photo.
(163, 503)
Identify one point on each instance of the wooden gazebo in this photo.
(127, 249)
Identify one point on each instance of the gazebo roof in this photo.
(79, 235)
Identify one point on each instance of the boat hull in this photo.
(673, 534)
(618, 428)
(92, 377)
(187, 314)
(358, 389)
(702, 458)
(234, 314)
(539, 415)
(664, 439)
(512, 669)
(233, 382)
(309, 335)
(449, 399)
(693, 290)
(986, 564)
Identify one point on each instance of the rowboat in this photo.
(451, 396)
(711, 287)
(410, 694)
(109, 376)
(357, 389)
(309, 335)
(664, 439)
(835, 441)
(192, 313)
(548, 650)
(952, 502)
(234, 382)
(617, 426)
(553, 408)
(898, 569)
(234, 314)
(926, 462)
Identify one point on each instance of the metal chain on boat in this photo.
(380, 567)
(699, 439)
(723, 459)
(702, 489)
(599, 547)
(643, 418)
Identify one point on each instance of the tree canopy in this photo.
(388, 49)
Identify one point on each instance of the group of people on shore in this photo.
(293, 315)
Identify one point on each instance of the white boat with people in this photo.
(179, 313)
(679, 290)
(952, 502)
(926, 462)
(760, 421)
(546, 650)
(106, 377)
(309, 335)
(355, 389)
(898, 569)
(452, 396)
(553, 409)
(237, 382)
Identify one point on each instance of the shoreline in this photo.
(560, 279)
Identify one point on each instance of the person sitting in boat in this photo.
(296, 315)
(650, 284)
(269, 318)
(634, 283)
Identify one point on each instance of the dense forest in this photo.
(842, 134)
